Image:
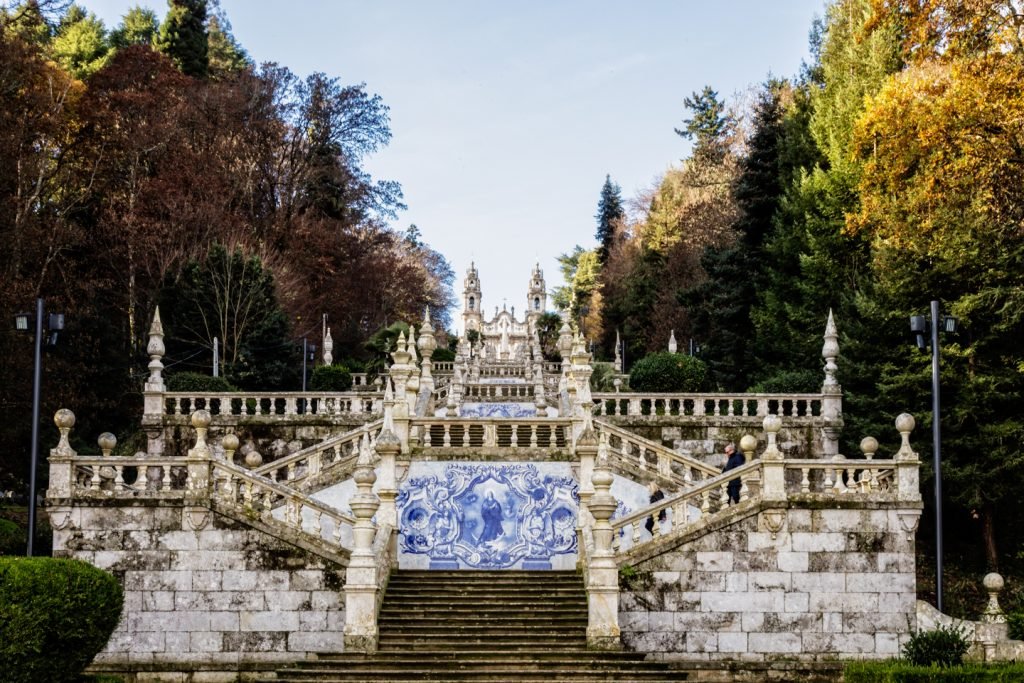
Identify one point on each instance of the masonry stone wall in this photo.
(203, 592)
(828, 584)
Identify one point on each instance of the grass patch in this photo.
(899, 671)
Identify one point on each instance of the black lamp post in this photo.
(922, 327)
(56, 324)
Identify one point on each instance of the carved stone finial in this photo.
(229, 442)
(905, 424)
(201, 421)
(156, 350)
(618, 353)
(772, 425)
(747, 446)
(993, 613)
(672, 346)
(869, 446)
(106, 442)
(65, 420)
(829, 351)
(328, 348)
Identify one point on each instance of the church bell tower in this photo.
(471, 301)
(536, 297)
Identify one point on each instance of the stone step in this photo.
(511, 621)
(495, 653)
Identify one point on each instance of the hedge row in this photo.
(55, 616)
(903, 672)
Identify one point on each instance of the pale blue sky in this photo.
(506, 116)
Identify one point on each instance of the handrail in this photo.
(707, 404)
(92, 472)
(666, 456)
(277, 403)
(314, 455)
(475, 432)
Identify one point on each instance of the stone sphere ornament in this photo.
(106, 442)
(64, 419)
(905, 423)
(748, 443)
(253, 459)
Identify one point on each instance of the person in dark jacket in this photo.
(735, 459)
(656, 495)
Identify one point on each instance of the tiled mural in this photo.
(488, 516)
(498, 410)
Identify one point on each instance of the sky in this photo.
(506, 116)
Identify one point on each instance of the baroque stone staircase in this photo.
(483, 626)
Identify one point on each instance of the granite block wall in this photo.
(827, 584)
(204, 592)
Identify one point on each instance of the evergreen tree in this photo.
(709, 127)
(80, 45)
(225, 54)
(183, 37)
(139, 26)
(610, 215)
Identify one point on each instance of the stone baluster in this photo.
(360, 631)
(773, 483)
(839, 486)
(447, 435)
(831, 393)
(533, 436)
(705, 501)
(805, 480)
(603, 577)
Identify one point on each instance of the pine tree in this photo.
(139, 26)
(183, 37)
(710, 126)
(610, 215)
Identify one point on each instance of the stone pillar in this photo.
(587, 448)
(400, 372)
(328, 347)
(62, 467)
(388, 447)
(426, 344)
(748, 444)
(603, 576)
(773, 484)
(618, 354)
(831, 393)
(154, 388)
(579, 385)
(908, 485)
(360, 633)
(197, 488)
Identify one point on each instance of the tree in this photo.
(226, 56)
(183, 37)
(610, 215)
(709, 127)
(80, 44)
(230, 296)
(139, 26)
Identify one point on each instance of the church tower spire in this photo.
(536, 297)
(471, 301)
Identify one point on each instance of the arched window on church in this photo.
(536, 303)
(472, 304)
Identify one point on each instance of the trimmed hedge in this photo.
(55, 616)
(898, 671)
(667, 372)
(790, 382)
(944, 646)
(13, 539)
(1015, 625)
(197, 381)
(330, 378)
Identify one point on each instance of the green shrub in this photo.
(790, 382)
(55, 616)
(331, 378)
(198, 382)
(1015, 625)
(443, 355)
(12, 538)
(896, 671)
(945, 646)
(667, 372)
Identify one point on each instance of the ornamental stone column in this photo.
(360, 632)
(400, 371)
(198, 460)
(908, 485)
(831, 392)
(387, 447)
(62, 467)
(603, 577)
(154, 388)
(426, 344)
(773, 483)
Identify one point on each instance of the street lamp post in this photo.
(21, 323)
(921, 327)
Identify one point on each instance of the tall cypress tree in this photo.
(609, 217)
(183, 37)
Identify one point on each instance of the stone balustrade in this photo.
(310, 462)
(498, 370)
(128, 476)
(277, 404)
(494, 433)
(240, 488)
(652, 457)
(498, 392)
(708, 405)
